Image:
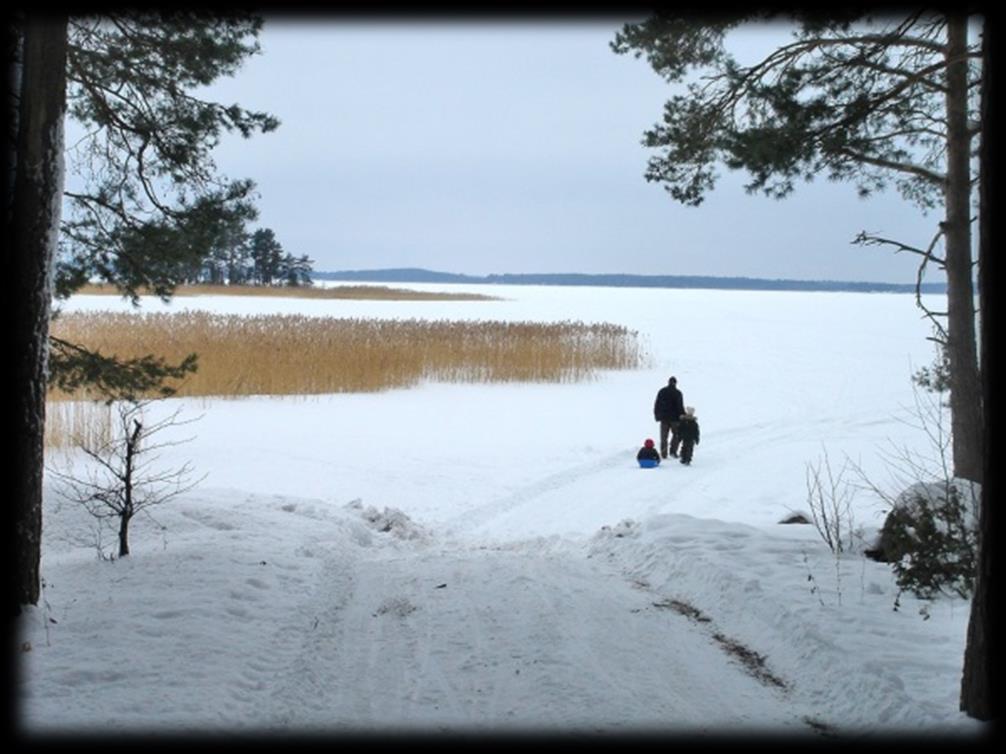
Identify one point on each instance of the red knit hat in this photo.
(648, 443)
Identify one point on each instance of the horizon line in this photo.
(628, 276)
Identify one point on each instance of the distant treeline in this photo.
(241, 258)
(416, 275)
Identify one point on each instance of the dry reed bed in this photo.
(300, 355)
(353, 292)
(73, 423)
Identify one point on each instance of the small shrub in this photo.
(829, 499)
(930, 538)
(123, 477)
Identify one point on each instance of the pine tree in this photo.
(266, 256)
(296, 271)
(879, 103)
(150, 208)
(35, 108)
(227, 262)
(977, 679)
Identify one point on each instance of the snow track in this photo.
(454, 639)
(530, 493)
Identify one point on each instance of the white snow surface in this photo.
(489, 559)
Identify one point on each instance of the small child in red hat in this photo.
(648, 455)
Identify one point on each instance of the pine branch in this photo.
(918, 171)
(74, 367)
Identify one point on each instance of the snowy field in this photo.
(490, 559)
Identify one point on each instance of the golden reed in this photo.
(300, 355)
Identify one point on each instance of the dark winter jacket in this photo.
(670, 404)
(688, 429)
(651, 453)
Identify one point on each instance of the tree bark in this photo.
(962, 349)
(976, 682)
(37, 78)
(132, 443)
(124, 535)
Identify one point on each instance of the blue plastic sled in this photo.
(648, 463)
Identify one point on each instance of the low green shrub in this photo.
(930, 537)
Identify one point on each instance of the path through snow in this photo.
(455, 638)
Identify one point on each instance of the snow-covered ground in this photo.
(490, 558)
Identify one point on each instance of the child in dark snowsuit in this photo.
(688, 431)
(648, 453)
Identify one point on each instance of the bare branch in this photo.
(866, 239)
(124, 479)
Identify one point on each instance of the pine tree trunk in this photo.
(37, 103)
(976, 682)
(962, 350)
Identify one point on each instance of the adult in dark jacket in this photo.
(667, 409)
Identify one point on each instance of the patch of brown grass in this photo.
(684, 609)
(300, 355)
(753, 662)
(354, 292)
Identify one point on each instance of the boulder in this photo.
(795, 518)
(912, 512)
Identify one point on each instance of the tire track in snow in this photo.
(530, 492)
(439, 639)
(294, 688)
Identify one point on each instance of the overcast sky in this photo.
(498, 146)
